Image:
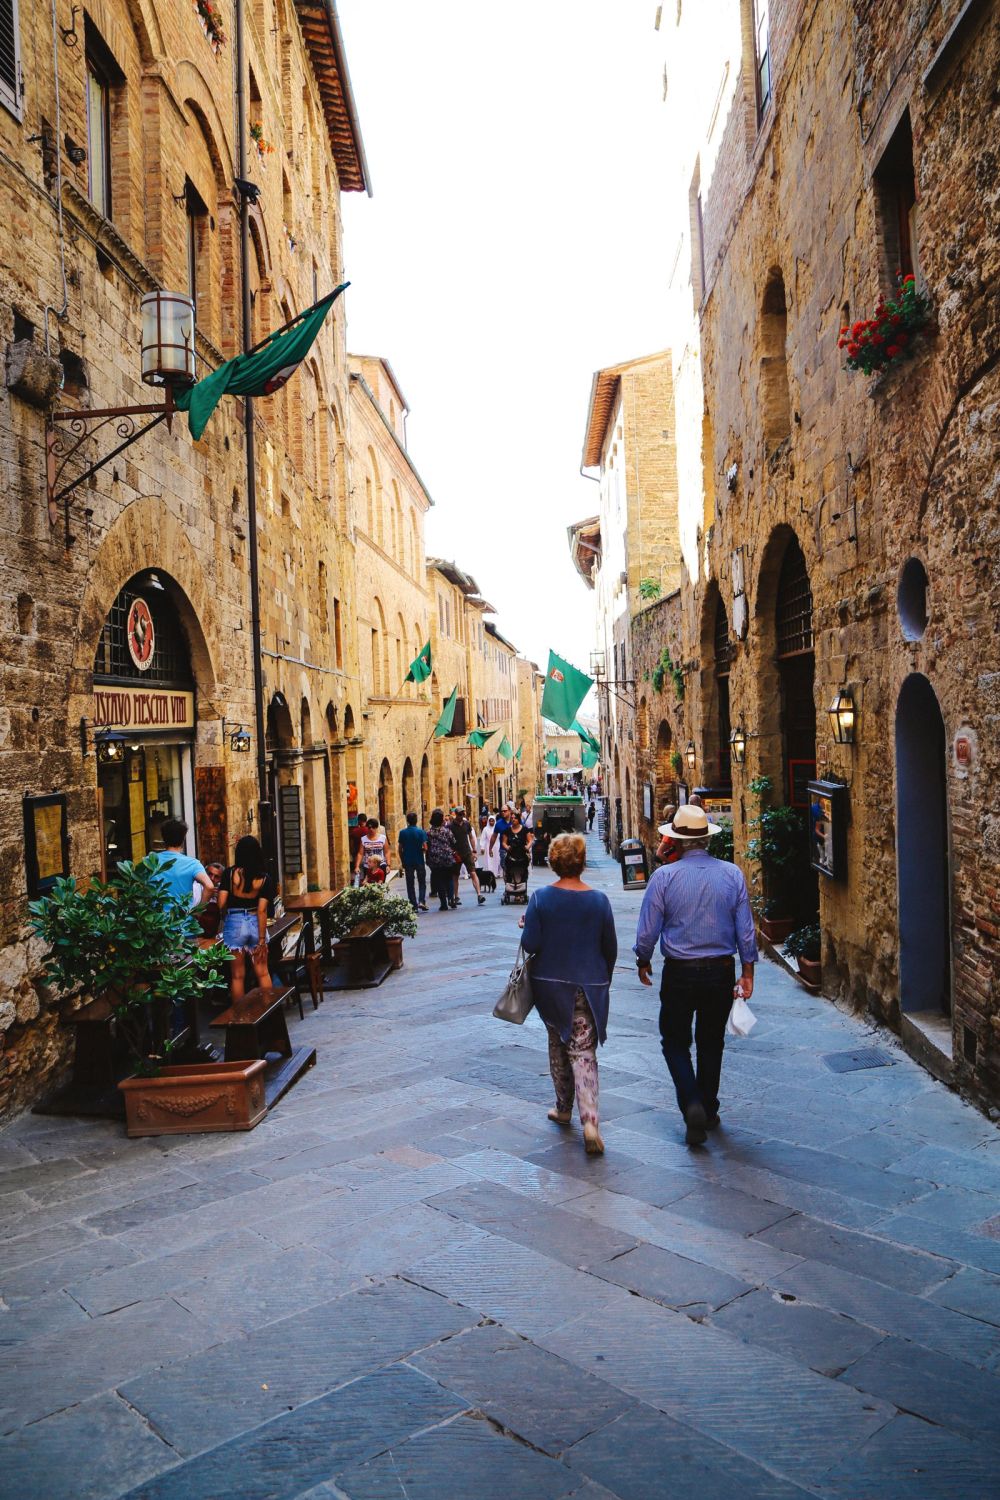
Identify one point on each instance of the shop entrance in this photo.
(143, 721)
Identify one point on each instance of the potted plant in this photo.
(401, 922)
(125, 942)
(805, 945)
(779, 849)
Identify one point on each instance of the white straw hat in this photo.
(689, 823)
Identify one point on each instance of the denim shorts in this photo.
(241, 931)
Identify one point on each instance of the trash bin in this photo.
(632, 854)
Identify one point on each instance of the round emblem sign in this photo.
(140, 634)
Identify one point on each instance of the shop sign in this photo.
(142, 708)
(140, 634)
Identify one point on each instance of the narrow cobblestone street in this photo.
(407, 1282)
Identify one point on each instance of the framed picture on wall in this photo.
(46, 843)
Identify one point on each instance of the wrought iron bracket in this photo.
(66, 432)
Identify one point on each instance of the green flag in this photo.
(504, 748)
(478, 737)
(586, 736)
(259, 373)
(517, 752)
(551, 757)
(420, 666)
(565, 690)
(589, 757)
(447, 719)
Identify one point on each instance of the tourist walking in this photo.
(489, 849)
(412, 845)
(570, 931)
(441, 859)
(246, 889)
(462, 833)
(699, 911)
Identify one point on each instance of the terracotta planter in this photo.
(194, 1098)
(811, 970)
(394, 949)
(776, 929)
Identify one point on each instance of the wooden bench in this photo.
(363, 956)
(256, 1025)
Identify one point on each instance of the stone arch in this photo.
(143, 535)
(923, 872)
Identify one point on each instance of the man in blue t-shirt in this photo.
(412, 843)
(176, 871)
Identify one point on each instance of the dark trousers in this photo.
(416, 877)
(698, 994)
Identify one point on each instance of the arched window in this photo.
(773, 363)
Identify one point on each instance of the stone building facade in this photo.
(839, 533)
(126, 669)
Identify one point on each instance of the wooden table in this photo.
(306, 905)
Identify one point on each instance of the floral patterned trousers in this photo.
(573, 1064)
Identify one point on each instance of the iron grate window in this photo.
(794, 607)
(171, 664)
(723, 645)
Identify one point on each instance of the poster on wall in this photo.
(828, 828)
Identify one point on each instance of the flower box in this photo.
(195, 1098)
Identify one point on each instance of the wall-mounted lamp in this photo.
(843, 717)
(738, 744)
(691, 754)
(239, 738)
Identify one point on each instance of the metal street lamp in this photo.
(843, 717)
(738, 744)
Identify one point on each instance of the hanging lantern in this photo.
(167, 339)
(738, 744)
(842, 717)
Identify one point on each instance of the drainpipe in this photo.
(265, 824)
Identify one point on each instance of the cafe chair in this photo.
(300, 970)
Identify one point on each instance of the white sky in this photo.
(515, 243)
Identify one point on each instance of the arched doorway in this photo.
(144, 719)
(407, 785)
(664, 770)
(923, 880)
(425, 789)
(386, 796)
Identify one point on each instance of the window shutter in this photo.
(11, 88)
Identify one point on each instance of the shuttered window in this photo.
(11, 88)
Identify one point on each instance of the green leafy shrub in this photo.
(805, 942)
(127, 941)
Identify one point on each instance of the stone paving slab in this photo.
(314, 1443)
(199, 1402)
(545, 1401)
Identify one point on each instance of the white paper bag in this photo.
(741, 1019)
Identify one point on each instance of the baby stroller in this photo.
(515, 881)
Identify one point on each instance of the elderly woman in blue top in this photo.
(570, 930)
(699, 911)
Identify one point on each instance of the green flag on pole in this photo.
(551, 757)
(261, 372)
(505, 749)
(420, 666)
(478, 737)
(517, 752)
(447, 719)
(565, 690)
(589, 757)
(586, 736)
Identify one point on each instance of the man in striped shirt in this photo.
(699, 910)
